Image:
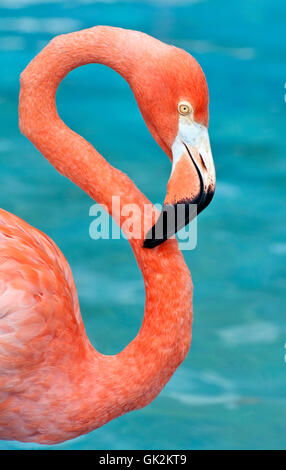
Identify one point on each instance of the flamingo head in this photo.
(172, 95)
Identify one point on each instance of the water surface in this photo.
(230, 391)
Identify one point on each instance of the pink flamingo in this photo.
(53, 384)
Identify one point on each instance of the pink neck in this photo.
(136, 375)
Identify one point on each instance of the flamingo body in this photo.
(53, 384)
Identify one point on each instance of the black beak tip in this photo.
(169, 222)
(152, 242)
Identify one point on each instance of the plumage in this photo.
(53, 384)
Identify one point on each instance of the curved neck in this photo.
(68, 152)
(137, 374)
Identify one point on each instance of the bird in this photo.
(54, 385)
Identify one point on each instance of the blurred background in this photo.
(230, 391)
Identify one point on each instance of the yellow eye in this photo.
(184, 108)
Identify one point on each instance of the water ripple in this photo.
(259, 332)
(28, 24)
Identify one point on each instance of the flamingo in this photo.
(54, 385)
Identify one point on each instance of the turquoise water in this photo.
(230, 391)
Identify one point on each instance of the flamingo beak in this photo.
(191, 185)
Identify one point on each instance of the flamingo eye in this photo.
(184, 108)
